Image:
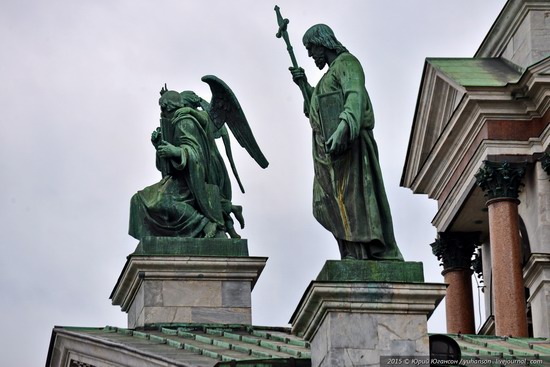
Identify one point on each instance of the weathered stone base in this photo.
(167, 287)
(356, 322)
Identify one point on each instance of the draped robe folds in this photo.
(183, 202)
(349, 199)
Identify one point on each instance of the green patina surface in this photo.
(371, 271)
(231, 345)
(260, 346)
(482, 72)
(478, 349)
(171, 246)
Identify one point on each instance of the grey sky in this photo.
(79, 84)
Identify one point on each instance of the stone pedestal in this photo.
(537, 278)
(358, 312)
(174, 280)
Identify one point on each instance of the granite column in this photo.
(455, 250)
(501, 182)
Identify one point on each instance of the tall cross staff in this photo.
(283, 33)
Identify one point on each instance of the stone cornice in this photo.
(378, 298)
(465, 184)
(429, 97)
(182, 268)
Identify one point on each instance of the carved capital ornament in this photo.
(545, 162)
(500, 180)
(455, 249)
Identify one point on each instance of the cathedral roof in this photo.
(240, 345)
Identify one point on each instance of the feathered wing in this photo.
(225, 109)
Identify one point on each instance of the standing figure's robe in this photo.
(349, 198)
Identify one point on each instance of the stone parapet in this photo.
(163, 286)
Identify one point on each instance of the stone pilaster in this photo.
(455, 250)
(501, 182)
(537, 278)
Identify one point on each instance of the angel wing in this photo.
(225, 109)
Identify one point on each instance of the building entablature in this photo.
(491, 119)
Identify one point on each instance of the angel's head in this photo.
(170, 101)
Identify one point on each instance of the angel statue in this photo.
(193, 198)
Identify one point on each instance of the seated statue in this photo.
(193, 198)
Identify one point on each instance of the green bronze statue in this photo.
(348, 192)
(194, 197)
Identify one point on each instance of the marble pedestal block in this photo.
(174, 281)
(362, 315)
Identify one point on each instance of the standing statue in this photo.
(348, 192)
(193, 198)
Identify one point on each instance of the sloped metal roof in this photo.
(478, 72)
(205, 345)
(484, 348)
(217, 345)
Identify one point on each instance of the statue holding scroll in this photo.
(348, 192)
(194, 197)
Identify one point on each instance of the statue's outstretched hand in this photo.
(339, 140)
(298, 74)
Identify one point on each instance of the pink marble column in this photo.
(508, 288)
(455, 250)
(459, 303)
(501, 182)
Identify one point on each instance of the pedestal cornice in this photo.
(380, 298)
(184, 268)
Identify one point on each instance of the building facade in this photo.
(479, 146)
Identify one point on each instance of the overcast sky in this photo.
(79, 83)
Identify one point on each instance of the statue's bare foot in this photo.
(237, 211)
(232, 233)
(210, 230)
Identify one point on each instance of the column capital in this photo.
(545, 162)
(500, 180)
(455, 249)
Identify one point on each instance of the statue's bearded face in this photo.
(318, 54)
